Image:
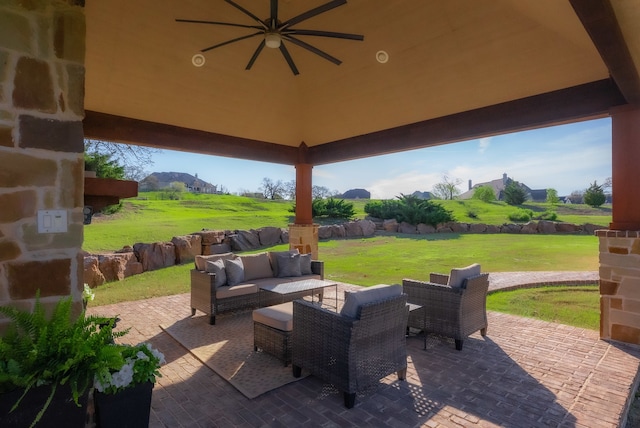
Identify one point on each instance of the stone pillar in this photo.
(304, 238)
(42, 47)
(620, 247)
(620, 285)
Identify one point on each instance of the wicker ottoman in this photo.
(272, 326)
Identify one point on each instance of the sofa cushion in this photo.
(277, 316)
(201, 261)
(305, 264)
(354, 299)
(274, 260)
(256, 266)
(235, 271)
(236, 290)
(458, 276)
(217, 267)
(288, 265)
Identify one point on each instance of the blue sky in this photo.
(566, 158)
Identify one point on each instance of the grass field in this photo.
(147, 219)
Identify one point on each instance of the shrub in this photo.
(472, 214)
(514, 194)
(330, 208)
(410, 209)
(594, 196)
(521, 215)
(548, 215)
(484, 193)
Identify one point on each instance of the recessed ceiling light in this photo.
(382, 57)
(197, 60)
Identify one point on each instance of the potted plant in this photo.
(123, 395)
(48, 363)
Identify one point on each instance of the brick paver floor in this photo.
(524, 373)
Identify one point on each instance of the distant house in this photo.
(162, 180)
(498, 185)
(356, 194)
(422, 195)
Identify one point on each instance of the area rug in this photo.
(227, 348)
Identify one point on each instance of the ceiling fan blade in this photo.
(285, 54)
(195, 21)
(246, 12)
(255, 55)
(313, 12)
(313, 49)
(237, 39)
(273, 18)
(319, 33)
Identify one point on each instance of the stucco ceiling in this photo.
(445, 58)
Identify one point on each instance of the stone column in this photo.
(620, 246)
(41, 149)
(303, 235)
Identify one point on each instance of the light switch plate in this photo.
(52, 221)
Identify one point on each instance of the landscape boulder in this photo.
(269, 236)
(545, 226)
(187, 248)
(390, 225)
(567, 228)
(91, 274)
(368, 227)
(443, 228)
(459, 227)
(210, 237)
(244, 240)
(492, 228)
(530, 227)
(352, 229)
(156, 255)
(324, 232)
(510, 228)
(118, 266)
(409, 228)
(477, 228)
(425, 228)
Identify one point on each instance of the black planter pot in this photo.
(62, 411)
(127, 409)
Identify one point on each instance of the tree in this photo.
(132, 158)
(149, 183)
(447, 188)
(484, 193)
(290, 190)
(103, 165)
(514, 194)
(272, 190)
(320, 192)
(552, 196)
(576, 196)
(594, 196)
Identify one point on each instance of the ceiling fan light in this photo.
(197, 60)
(272, 40)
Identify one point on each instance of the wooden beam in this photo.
(599, 19)
(588, 101)
(107, 127)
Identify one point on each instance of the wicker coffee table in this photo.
(299, 287)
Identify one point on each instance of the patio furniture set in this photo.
(353, 346)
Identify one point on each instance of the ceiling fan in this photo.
(275, 32)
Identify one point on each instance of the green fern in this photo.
(61, 349)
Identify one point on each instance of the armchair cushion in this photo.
(458, 276)
(217, 267)
(353, 300)
(235, 271)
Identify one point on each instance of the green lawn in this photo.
(578, 306)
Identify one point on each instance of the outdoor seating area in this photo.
(524, 372)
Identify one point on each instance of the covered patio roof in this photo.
(456, 70)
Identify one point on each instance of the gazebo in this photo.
(293, 83)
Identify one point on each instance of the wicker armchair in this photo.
(351, 353)
(453, 312)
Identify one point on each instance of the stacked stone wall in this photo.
(41, 149)
(620, 285)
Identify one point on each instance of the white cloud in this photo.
(484, 144)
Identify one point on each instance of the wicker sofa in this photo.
(354, 348)
(227, 282)
(455, 304)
